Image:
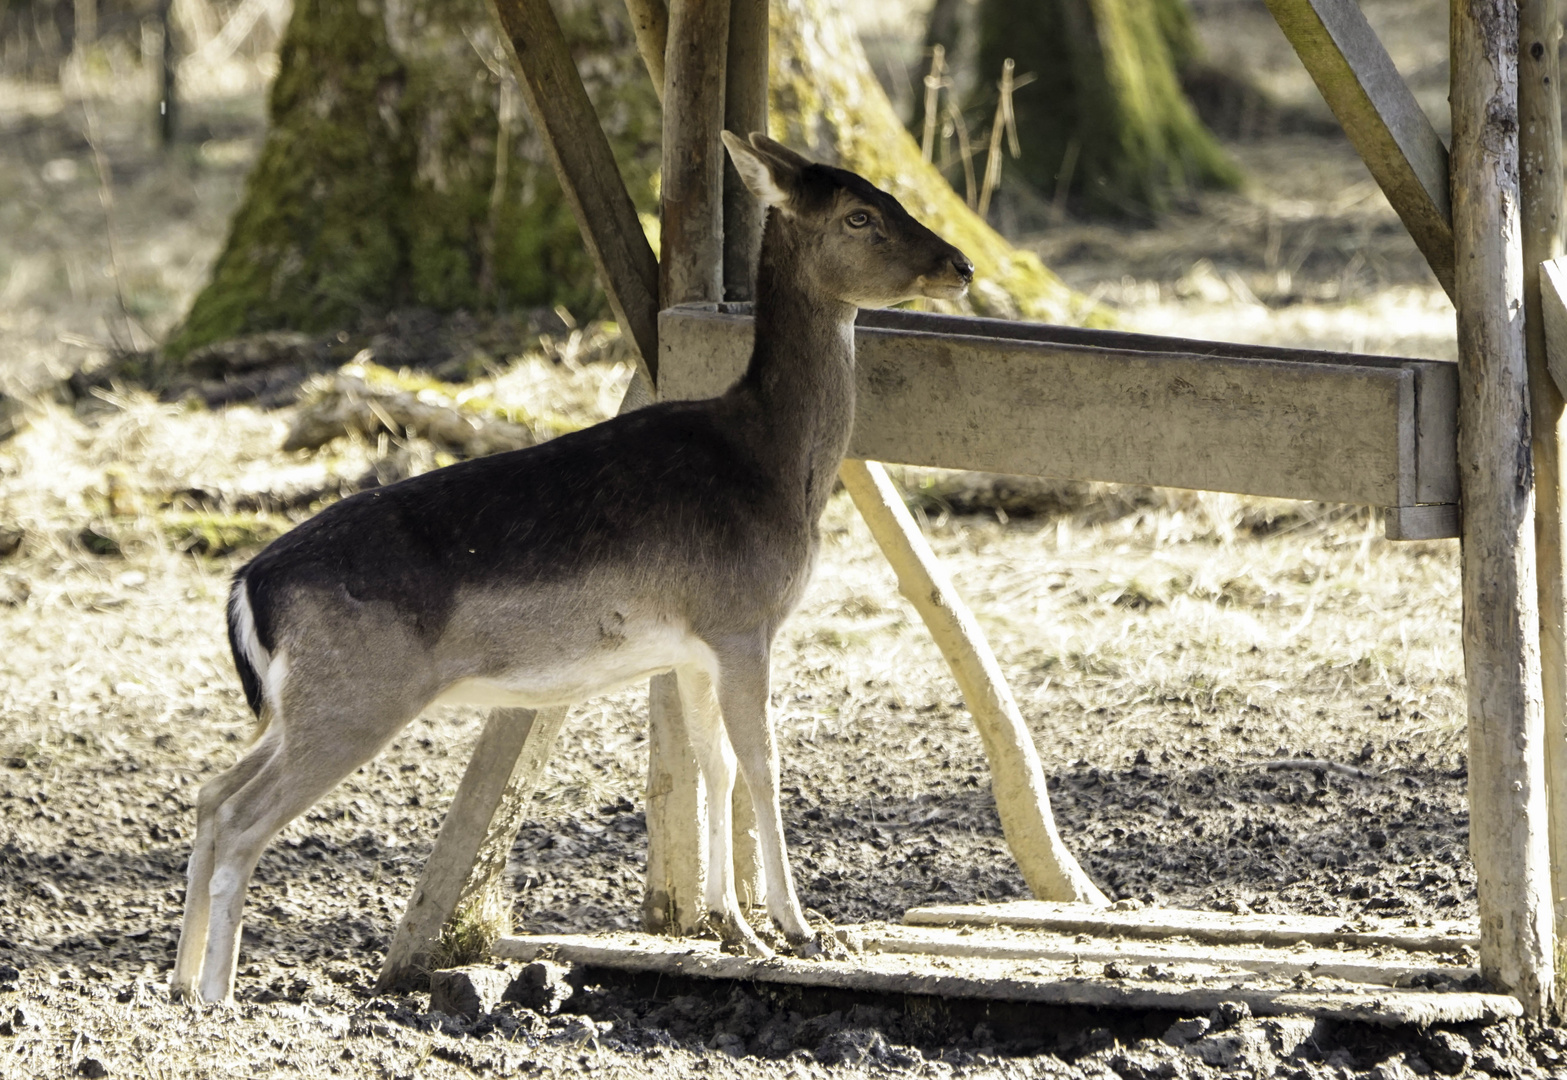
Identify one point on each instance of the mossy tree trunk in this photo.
(377, 186)
(1106, 107)
(399, 172)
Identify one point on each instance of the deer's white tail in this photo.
(251, 658)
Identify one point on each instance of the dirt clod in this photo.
(542, 986)
(468, 992)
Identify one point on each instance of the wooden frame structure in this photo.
(1410, 435)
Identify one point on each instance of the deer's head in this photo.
(865, 249)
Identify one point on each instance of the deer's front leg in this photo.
(715, 758)
(742, 693)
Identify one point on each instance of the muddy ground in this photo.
(1165, 647)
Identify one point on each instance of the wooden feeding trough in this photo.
(1418, 437)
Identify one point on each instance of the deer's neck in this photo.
(801, 376)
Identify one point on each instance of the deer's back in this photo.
(666, 496)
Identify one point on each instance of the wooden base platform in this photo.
(1376, 971)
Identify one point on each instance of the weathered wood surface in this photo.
(1016, 777)
(589, 177)
(1540, 211)
(650, 25)
(476, 837)
(1212, 927)
(1096, 405)
(1508, 831)
(745, 111)
(672, 900)
(692, 182)
(1031, 980)
(1553, 305)
(1385, 968)
(1381, 117)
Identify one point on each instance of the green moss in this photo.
(1105, 97)
(374, 190)
(215, 535)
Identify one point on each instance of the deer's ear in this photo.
(772, 177)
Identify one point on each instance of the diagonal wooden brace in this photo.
(1015, 774)
(469, 857)
(1381, 117)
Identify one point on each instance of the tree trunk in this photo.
(400, 171)
(1105, 115)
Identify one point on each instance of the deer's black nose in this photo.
(963, 267)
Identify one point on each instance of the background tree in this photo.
(399, 171)
(1104, 118)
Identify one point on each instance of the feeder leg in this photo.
(1508, 833)
(469, 857)
(1016, 776)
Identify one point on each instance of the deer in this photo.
(677, 537)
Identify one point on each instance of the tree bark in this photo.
(396, 173)
(1105, 116)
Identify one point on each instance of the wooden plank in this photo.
(1553, 314)
(1016, 777)
(1038, 981)
(1434, 522)
(589, 177)
(1092, 405)
(1381, 117)
(1003, 943)
(1207, 926)
(1540, 212)
(1508, 832)
(481, 824)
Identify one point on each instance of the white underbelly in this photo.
(648, 651)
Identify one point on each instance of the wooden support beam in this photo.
(650, 24)
(1127, 408)
(1381, 117)
(745, 111)
(1016, 777)
(1540, 184)
(692, 184)
(691, 269)
(1501, 621)
(589, 177)
(469, 856)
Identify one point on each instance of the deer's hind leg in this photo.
(716, 760)
(198, 897)
(324, 727)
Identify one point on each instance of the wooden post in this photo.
(481, 825)
(1540, 182)
(690, 269)
(1501, 625)
(589, 177)
(745, 111)
(1015, 774)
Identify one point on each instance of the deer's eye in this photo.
(858, 219)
